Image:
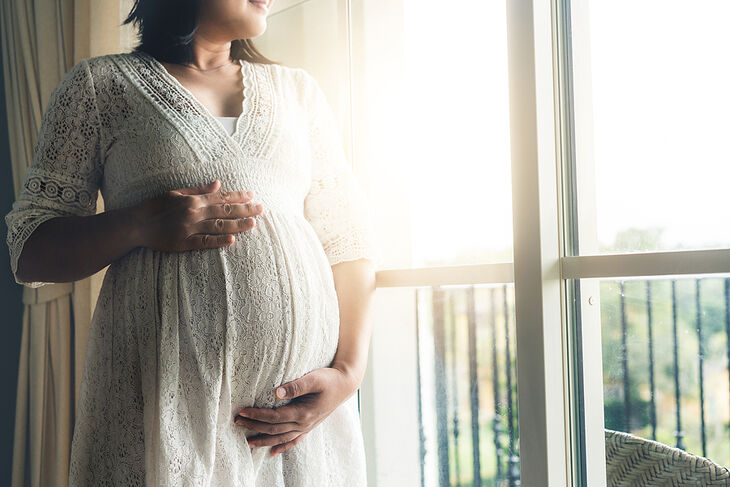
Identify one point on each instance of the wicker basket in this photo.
(634, 461)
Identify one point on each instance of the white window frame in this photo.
(556, 450)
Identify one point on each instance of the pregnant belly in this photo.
(281, 295)
(250, 316)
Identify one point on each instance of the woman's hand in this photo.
(197, 217)
(314, 396)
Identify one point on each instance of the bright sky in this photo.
(661, 96)
(457, 65)
(661, 102)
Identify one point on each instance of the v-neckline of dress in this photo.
(202, 109)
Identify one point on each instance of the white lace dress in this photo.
(180, 342)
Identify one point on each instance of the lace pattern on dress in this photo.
(336, 205)
(66, 171)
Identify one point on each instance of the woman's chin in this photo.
(252, 27)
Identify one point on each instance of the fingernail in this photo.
(243, 414)
(258, 207)
(249, 194)
(281, 392)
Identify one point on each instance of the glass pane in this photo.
(665, 363)
(431, 129)
(467, 386)
(652, 80)
(439, 358)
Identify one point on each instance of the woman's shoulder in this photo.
(104, 65)
(290, 71)
(110, 73)
(97, 71)
(297, 80)
(96, 64)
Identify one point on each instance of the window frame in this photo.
(560, 396)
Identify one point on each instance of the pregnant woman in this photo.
(231, 329)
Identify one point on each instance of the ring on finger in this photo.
(227, 208)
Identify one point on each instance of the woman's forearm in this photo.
(70, 248)
(355, 286)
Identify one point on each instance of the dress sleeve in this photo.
(65, 174)
(336, 205)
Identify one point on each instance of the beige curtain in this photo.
(41, 40)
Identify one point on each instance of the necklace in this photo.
(209, 69)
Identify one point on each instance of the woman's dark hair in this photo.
(166, 29)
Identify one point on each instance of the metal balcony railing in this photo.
(468, 386)
(663, 342)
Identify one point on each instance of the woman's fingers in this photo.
(210, 194)
(206, 241)
(218, 233)
(298, 387)
(224, 225)
(287, 446)
(294, 412)
(271, 440)
(230, 210)
(220, 197)
(267, 428)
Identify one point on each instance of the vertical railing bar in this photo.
(474, 388)
(516, 473)
(508, 367)
(442, 437)
(625, 358)
(727, 324)
(652, 383)
(497, 421)
(454, 384)
(677, 398)
(421, 435)
(701, 354)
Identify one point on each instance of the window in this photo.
(645, 109)
(547, 186)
